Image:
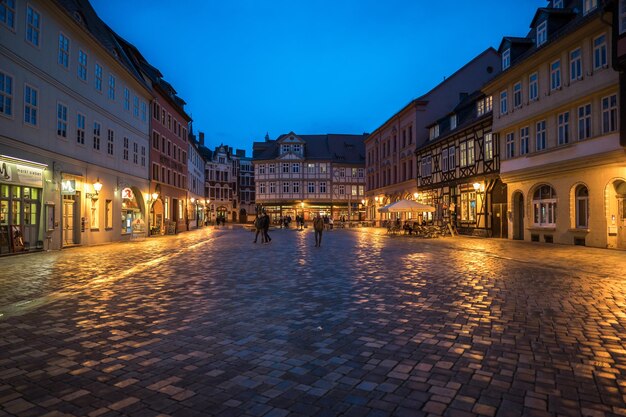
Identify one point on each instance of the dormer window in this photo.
(542, 33)
(557, 4)
(284, 149)
(434, 132)
(297, 149)
(506, 59)
(453, 122)
(589, 6)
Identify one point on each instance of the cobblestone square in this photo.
(209, 323)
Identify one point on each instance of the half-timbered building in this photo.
(458, 170)
(308, 174)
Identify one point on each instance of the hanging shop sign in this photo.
(68, 187)
(127, 193)
(19, 174)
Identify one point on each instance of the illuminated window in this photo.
(544, 207)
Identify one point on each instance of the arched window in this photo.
(582, 207)
(544, 207)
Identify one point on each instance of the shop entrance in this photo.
(617, 222)
(69, 220)
(518, 216)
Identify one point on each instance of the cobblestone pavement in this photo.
(208, 323)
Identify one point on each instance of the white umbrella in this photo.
(403, 206)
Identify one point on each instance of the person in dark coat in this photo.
(258, 225)
(318, 226)
(266, 227)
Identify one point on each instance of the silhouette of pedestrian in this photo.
(258, 225)
(318, 226)
(266, 227)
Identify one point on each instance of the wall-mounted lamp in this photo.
(154, 196)
(97, 186)
(416, 195)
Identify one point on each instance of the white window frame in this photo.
(599, 52)
(504, 106)
(33, 25)
(272, 187)
(136, 107)
(31, 105)
(540, 135)
(444, 160)
(506, 59)
(110, 142)
(7, 13)
(555, 75)
(463, 153)
(609, 113)
(488, 144)
(575, 65)
(81, 122)
(562, 120)
(81, 70)
(542, 33)
(544, 209)
(63, 58)
(295, 168)
(510, 145)
(98, 77)
(125, 149)
(295, 187)
(453, 121)
(517, 95)
(6, 94)
(323, 188)
(111, 87)
(584, 121)
(272, 168)
(524, 140)
(62, 119)
(97, 135)
(451, 158)
(311, 187)
(284, 168)
(126, 99)
(262, 188)
(533, 86)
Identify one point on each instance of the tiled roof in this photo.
(84, 14)
(338, 148)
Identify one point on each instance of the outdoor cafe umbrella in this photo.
(403, 206)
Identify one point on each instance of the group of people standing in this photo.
(262, 226)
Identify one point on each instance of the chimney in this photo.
(201, 140)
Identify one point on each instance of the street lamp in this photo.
(479, 188)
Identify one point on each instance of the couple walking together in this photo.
(262, 225)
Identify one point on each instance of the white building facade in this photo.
(71, 108)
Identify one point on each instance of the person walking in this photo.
(266, 226)
(318, 226)
(258, 225)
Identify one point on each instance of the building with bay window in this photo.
(556, 107)
(72, 107)
(299, 175)
(459, 170)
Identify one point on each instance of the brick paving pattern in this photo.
(208, 323)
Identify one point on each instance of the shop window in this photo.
(544, 207)
(468, 207)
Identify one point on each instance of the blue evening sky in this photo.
(247, 67)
